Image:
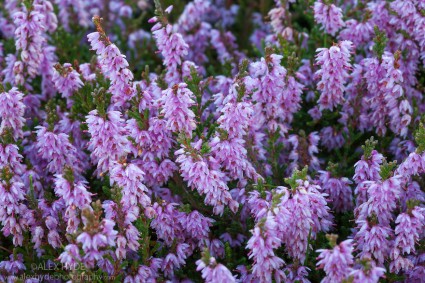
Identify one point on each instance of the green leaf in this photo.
(420, 138)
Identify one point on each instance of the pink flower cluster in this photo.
(212, 141)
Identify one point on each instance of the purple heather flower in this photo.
(408, 230)
(225, 45)
(301, 214)
(175, 261)
(12, 111)
(331, 138)
(157, 173)
(417, 274)
(259, 206)
(373, 241)
(276, 93)
(245, 275)
(91, 243)
(70, 258)
(12, 195)
(296, 273)
(213, 271)
(337, 262)
(6, 26)
(124, 216)
(176, 103)
(235, 118)
(366, 170)
(10, 157)
(53, 236)
(145, 273)
(368, 274)
(193, 14)
(411, 192)
(373, 75)
(401, 149)
(413, 165)
(155, 142)
(338, 190)
(357, 32)
(172, 47)
(45, 7)
(48, 89)
(11, 267)
(73, 128)
(329, 16)
(37, 237)
(197, 226)
(66, 80)
(75, 196)
(277, 17)
(387, 103)
(168, 222)
(8, 72)
(195, 31)
(209, 181)
(232, 155)
(398, 112)
(313, 143)
(130, 178)
(29, 38)
(233, 242)
(264, 240)
(383, 198)
(149, 136)
(108, 142)
(334, 63)
(56, 150)
(87, 72)
(214, 246)
(115, 67)
(292, 97)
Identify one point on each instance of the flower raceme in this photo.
(334, 63)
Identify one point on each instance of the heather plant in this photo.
(212, 141)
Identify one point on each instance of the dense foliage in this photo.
(212, 141)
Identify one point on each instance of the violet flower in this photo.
(330, 16)
(92, 243)
(113, 65)
(108, 142)
(334, 63)
(209, 181)
(338, 190)
(264, 240)
(176, 109)
(12, 268)
(12, 111)
(337, 262)
(172, 47)
(29, 38)
(66, 80)
(369, 273)
(56, 150)
(408, 230)
(213, 271)
(76, 197)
